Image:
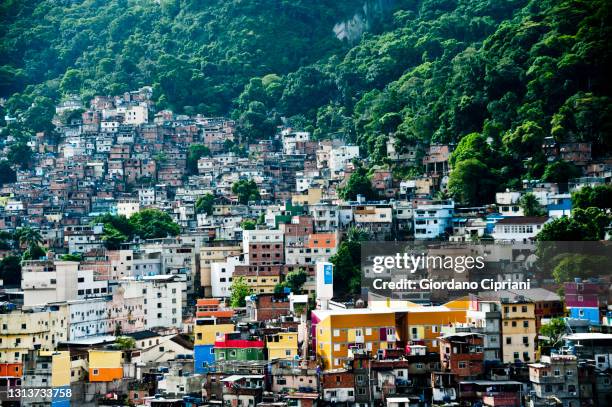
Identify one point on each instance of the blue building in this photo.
(432, 220)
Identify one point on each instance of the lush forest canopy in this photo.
(506, 73)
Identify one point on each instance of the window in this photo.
(524, 308)
(516, 355)
(336, 332)
(336, 347)
(557, 372)
(462, 365)
(96, 372)
(508, 341)
(525, 324)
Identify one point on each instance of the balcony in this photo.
(548, 379)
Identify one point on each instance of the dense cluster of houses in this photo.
(149, 323)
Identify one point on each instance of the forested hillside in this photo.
(494, 76)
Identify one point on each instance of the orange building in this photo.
(322, 241)
(11, 369)
(211, 307)
(105, 365)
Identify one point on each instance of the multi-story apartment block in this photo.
(518, 329)
(431, 220)
(45, 282)
(555, 377)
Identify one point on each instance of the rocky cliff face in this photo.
(365, 19)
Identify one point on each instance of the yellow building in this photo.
(519, 332)
(424, 324)
(311, 197)
(282, 345)
(105, 365)
(21, 331)
(207, 330)
(339, 332)
(60, 367)
(261, 278)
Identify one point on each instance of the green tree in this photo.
(7, 174)
(526, 139)
(554, 331)
(474, 146)
(29, 236)
(246, 190)
(196, 151)
(239, 290)
(358, 184)
(205, 204)
(124, 343)
(248, 224)
(20, 154)
(584, 225)
(153, 224)
(599, 196)
(71, 82)
(572, 265)
(560, 171)
(10, 271)
(472, 182)
(530, 205)
(295, 280)
(71, 257)
(347, 264)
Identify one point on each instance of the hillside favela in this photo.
(292, 203)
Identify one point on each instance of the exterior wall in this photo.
(591, 314)
(518, 332)
(282, 346)
(11, 369)
(105, 366)
(336, 333)
(557, 376)
(20, 332)
(425, 326)
(204, 355)
(430, 221)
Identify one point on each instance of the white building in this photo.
(508, 203)
(221, 276)
(518, 229)
(291, 139)
(45, 282)
(340, 156)
(136, 115)
(326, 217)
(128, 207)
(87, 318)
(162, 299)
